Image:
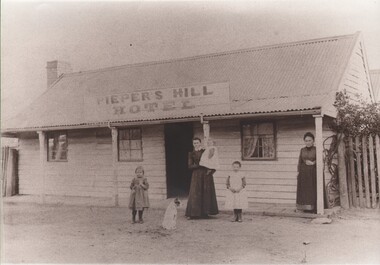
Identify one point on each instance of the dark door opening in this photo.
(178, 143)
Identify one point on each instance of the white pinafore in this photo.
(236, 200)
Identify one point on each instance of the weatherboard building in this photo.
(84, 136)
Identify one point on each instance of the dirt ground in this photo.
(77, 234)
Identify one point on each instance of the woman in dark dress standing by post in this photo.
(306, 180)
(202, 197)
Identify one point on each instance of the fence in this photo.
(363, 166)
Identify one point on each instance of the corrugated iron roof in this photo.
(276, 78)
(375, 80)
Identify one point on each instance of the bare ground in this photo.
(76, 234)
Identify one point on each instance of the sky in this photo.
(92, 35)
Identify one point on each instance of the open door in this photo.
(178, 143)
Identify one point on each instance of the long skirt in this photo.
(307, 188)
(202, 195)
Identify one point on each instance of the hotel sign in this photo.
(152, 103)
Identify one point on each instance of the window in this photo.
(57, 146)
(258, 141)
(130, 144)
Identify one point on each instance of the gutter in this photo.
(12, 132)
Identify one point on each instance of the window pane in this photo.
(124, 155)
(62, 147)
(136, 154)
(249, 146)
(268, 145)
(50, 149)
(136, 144)
(124, 145)
(258, 148)
(124, 134)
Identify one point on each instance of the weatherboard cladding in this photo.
(89, 169)
(293, 76)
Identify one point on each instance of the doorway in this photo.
(178, 143)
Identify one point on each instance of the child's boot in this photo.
(134, 217)
(235, 216)
(240, 216)
(141, 217)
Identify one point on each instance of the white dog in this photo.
(170, 217)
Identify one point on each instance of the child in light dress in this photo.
(139, 199)
(236, 198)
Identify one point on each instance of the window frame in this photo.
(50, 133)
(244, 122)
(118, 144)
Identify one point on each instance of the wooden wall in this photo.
(89, 170)
(29, 165)
(356, 79)
(268, 181)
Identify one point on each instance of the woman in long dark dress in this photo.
(306, 180)
(202, 197)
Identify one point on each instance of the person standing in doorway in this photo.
(306, 179)
(202, 196)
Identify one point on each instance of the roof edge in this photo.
(302, 112)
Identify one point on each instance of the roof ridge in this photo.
(209, 55)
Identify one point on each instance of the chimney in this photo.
(55, 69)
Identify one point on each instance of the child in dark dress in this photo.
(139, 199)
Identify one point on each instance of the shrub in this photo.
(355, 116)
